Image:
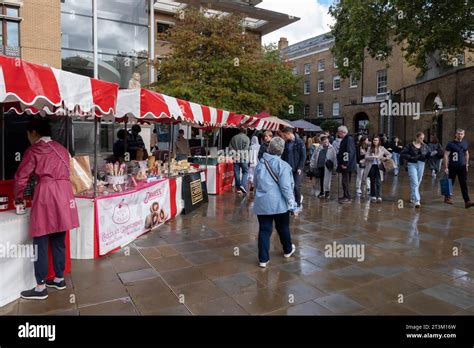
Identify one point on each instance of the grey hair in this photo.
(276, 146)
(459, 130)
(343, 129)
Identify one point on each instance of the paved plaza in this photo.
(205, 263)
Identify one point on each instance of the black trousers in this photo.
(346, 184)
(375, 181)
(461, 173)
(58, 244)
(321, 178)
(298, 179)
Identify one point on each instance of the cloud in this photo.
(314, 21)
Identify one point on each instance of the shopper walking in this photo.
(456, 162)
(323, 162)
(416, 153)
(267, 136)
(54, 209)
(274, 183)
(253, 159)
(362, 148)
(395, 147)
(240, 145)
(373, 169)
(295, 156)
(434, 162)
(346, 162)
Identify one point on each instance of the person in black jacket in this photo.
(267, 137)
(416, 154)
(295, 156)
(346, 162)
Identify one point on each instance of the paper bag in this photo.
(81, 177)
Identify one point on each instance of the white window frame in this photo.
(294, 71)
(323, 64)
(307, 87)
(319, 89)
(382, 89)
(306, 107)
(307, 68)
(351, 82)
(320, 110)
(334, 79)
(335, 63)
(338, 109)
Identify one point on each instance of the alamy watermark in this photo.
(351, 251)
(19, 251)
(391, 108)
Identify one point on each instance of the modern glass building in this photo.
(121, 34)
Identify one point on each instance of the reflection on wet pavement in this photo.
(415, 262)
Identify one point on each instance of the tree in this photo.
(330, 126)
(438, 29)
(214, 62)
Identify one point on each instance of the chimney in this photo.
(283, 43)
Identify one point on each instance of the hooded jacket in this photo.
(54, 207)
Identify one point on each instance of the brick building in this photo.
(357, 103)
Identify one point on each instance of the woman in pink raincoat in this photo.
(53, 210)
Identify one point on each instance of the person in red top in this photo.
(53, 210)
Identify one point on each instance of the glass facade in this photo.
(122, 50)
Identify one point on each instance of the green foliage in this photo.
(216, 64)
(330, 125)
(439, 29)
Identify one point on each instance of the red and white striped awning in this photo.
(147, 105)
(33, 88)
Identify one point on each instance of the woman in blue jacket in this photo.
(274, 199)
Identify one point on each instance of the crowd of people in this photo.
(278, 166)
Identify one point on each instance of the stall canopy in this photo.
(306, 126)
(33, 88)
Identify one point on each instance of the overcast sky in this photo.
(314, 20)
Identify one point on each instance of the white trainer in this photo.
(263, 264)
(293, 249)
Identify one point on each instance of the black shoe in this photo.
(244, 191)
(35, 295)
(321, 194)
(326, 195)
(58, 286)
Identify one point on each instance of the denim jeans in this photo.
(298, 180)
(58, 245)
(244, 167)
(375, 182)
(282, 225)
(396, 159)
(360, 176)
(415, 174)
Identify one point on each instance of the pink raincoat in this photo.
(54, 207)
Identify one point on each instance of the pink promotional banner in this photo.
(124, 217)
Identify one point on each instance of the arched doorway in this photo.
(434, 104)
(361, 121)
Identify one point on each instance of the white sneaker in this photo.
(417, 205)
(379, 199)
(433, 173)
(263, 264)
(359, 191)
(301, 200)
(293, 249)
(373, 199)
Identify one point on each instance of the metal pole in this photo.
(126, 140)
(152, 41)
(67, 133)
(96, 144)
(3, 141)
(171, 133)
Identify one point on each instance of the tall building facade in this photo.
(357, 103)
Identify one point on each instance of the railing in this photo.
(11, 51)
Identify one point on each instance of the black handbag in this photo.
(330, 165)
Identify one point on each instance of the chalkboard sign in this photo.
(194, 192)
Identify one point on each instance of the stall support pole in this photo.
(126, 140)
(67, 134)
(2, 124)
(169, 147)
(96, 143)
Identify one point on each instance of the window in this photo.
(321, 65)
(307, 89)
(10, 31)
(161, 30)
(320, 110)
(307, 69)
(353, 82)
(336, 83)
(320, 86)
(294, 71)
(335, 63)
(306, 110)
(459, 59)
(381, 81)
(335, 109)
